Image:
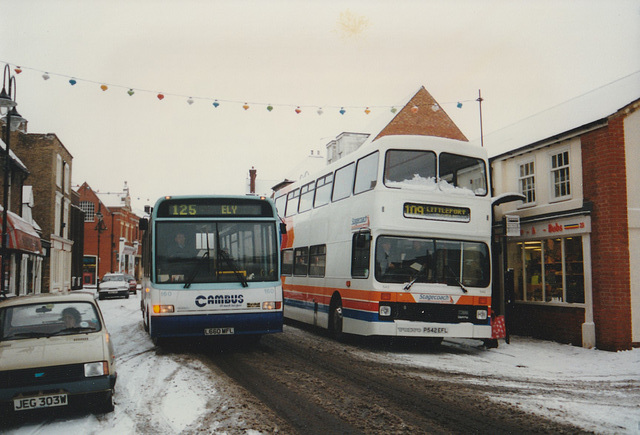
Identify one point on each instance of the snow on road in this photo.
(174, 393)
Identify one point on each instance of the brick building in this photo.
(571, 263)
(116, 236)
(50, 165)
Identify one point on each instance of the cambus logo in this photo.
(201, 301)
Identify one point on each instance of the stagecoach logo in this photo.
(360, 223)
(202, 301)
(447, 299)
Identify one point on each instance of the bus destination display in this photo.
(436, 212)
(218, 208)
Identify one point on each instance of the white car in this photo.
(113, 284)
(55, 351)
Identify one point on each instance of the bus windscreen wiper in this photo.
(418, 267)
(453, 275)
(234, 267)
(195, 270)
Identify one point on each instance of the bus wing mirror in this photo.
(143, 224)
(283, 228)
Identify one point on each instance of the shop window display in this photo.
(550, 270)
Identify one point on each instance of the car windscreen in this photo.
(48, 319)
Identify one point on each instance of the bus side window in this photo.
(343, 182)
(317, 260)
(366, 173)
(287, 262)
(292, 202)
(360, 254)
(306, 197)
(281, 203)
(301, 257)
(323, 190)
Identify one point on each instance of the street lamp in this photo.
(99, 228)
(12, 120)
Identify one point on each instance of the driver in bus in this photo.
(385, 257)
(180, 248)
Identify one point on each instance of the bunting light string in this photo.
(246, 105)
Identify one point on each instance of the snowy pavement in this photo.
(174, 393)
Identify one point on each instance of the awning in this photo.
(22, 235)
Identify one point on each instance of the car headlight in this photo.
(99, 368)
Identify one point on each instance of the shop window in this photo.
(553, 270)
(514, 262)
(533, 270)
(574, 266)
(550, 270)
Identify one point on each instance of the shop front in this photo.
(550, 266)
(23, 264)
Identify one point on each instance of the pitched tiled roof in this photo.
(422, 115)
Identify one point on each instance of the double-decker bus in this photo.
(393, 239)
(211, 267)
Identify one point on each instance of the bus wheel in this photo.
(335, 319)
(145, 320)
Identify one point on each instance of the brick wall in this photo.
(604, 184)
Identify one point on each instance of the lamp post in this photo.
(99, 228)
(12, 121)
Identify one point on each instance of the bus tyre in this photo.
(145, 320)
(335, 319)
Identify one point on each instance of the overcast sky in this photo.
(525, 56)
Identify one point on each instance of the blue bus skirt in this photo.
(194, 325)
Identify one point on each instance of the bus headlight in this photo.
(384, 310)
(481, 314)
(271, 305)
(158, 309)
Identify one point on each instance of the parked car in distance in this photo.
(55, 351)
(113, 284)
(133, 284)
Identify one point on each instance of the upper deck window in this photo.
(417, 170)
(463, 172)
(343, 182)
(366, 173)
(410, 168)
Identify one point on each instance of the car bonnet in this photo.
(52, 351)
